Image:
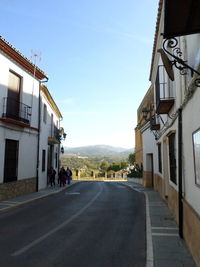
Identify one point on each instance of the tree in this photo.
(104, 166)
(124, 165)
(131, 158)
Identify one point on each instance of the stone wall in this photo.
(18, 188)
(173, 201)
(159, 185)
(191, 231)
(147, 179)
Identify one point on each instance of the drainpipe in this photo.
(38, 143)
(39, 126)
(180, 195)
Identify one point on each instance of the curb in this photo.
(149, 246)
(35, 198)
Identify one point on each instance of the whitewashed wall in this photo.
(27, 137)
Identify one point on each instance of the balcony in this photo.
(164, 92)
(16, 110)
(154, 123)
(54, 135)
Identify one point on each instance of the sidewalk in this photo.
(21, 200)
(164, 246)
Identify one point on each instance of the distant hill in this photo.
(98, 150)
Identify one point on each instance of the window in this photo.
(43, 159)
(11, 160)
(196, 149)
(13, 96)
(45, 113)
(172, 158)
(159, 158)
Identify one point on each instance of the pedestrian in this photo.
(62, 177)
(52, 175)
(69, 175)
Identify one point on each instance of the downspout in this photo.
(180, 183)
(38, 143)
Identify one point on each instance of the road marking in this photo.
(53, 231)
(165, 228)
(164, 234)
(73, 193)
(10, 202)
(149, 250)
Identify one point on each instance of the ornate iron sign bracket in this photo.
(178, 62)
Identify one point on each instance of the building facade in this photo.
(174, 75)
(50, 135)
(21, 135)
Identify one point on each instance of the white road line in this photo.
(164, 234)
(10, 202)
(43, 237)
(149, 252)
(165, 228)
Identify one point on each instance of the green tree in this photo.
(104, 166)
(131, 158)
(124, 165)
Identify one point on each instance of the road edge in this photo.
(149, 242)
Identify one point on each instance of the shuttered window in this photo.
(172, 158)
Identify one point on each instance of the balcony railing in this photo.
(164, 92)
(154, 123)
(16, 110)
(54, 133)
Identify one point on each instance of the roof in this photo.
(15, 54)
(160, 5)
(51, 101)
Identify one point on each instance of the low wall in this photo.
(147, 179)
(18, 188)
(191, 231)
(136, 180)
(159, 185)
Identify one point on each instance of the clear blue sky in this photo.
(97, 55)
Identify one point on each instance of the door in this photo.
(11, 161)
(150, 170)
(13, 107)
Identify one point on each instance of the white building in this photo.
(20, 140)
(175, 69)
(50, 135)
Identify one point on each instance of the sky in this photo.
(97, 55)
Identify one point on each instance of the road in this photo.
(91, 224)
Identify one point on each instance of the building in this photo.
(50, 136)
(21, 137)
(174, 75)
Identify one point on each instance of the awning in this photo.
(182, 17)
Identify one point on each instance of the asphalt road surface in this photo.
(91, 224)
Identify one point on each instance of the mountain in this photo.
(98, 150)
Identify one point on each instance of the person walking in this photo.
(52, 175)
(62, 177)
(69, 175)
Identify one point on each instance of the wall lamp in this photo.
(145, 112)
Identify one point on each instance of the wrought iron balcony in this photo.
(54, 133)
(16, 110)
(154, 123)
(164, 92)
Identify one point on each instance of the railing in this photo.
(154, 123)
(16, 110)
(164, 92)
(54, 132)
